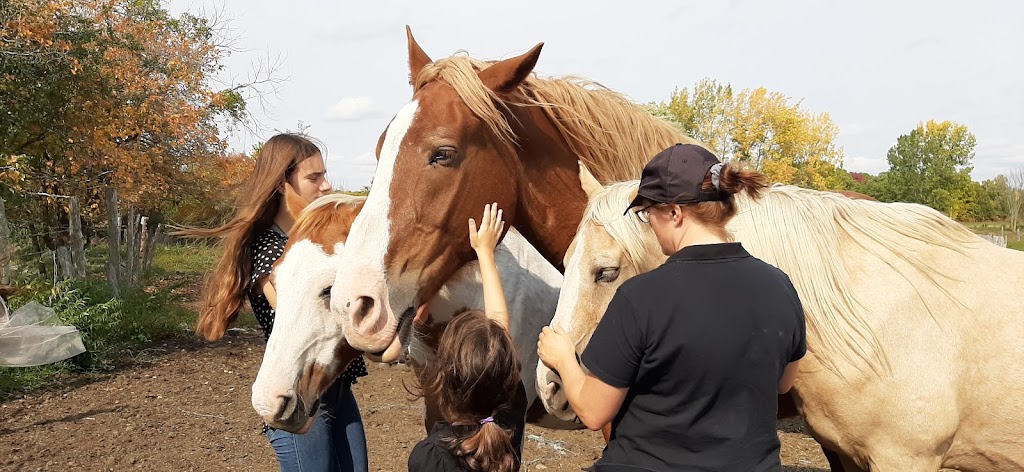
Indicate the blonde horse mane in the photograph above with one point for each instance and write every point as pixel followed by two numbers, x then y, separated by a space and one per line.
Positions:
pixel 633 237
pixel 612 135
pixel 792 227
pixel 320 215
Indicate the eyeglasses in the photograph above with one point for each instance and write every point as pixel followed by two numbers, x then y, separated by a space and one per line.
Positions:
pixel 644 214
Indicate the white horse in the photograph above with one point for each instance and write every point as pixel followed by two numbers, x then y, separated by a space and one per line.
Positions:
pixel 307 348
pixel 915 324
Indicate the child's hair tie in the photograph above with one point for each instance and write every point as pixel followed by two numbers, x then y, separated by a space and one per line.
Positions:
pixel 489 419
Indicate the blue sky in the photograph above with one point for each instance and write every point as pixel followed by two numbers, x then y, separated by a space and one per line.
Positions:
pixel 878 68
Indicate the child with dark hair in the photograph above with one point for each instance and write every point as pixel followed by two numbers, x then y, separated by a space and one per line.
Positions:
pixel 476 378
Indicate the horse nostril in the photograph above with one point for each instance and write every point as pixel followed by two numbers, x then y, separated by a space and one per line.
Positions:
pixel 287 405
pixel 555 388
pixel 364 306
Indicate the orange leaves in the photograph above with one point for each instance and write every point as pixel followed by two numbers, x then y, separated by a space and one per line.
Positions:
pixel 124 97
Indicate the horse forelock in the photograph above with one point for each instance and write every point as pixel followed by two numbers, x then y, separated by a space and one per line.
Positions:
pixel 606 208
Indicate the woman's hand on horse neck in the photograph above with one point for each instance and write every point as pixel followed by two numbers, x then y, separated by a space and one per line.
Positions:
pixel 484 241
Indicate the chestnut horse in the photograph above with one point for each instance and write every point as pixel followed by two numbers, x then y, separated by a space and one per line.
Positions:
pixel 479 132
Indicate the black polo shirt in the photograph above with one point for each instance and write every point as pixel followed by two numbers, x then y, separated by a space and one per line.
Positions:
pixel 701 342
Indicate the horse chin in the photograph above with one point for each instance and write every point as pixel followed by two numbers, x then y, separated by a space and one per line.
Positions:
pixel 299 423
pixel 393 353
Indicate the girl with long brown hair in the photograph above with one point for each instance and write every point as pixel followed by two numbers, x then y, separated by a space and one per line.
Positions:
pixel 476 377
pixel 253 240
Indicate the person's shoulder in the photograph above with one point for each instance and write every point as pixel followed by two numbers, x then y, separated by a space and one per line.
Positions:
pixel 430 455
pixel 270 238
pixel 645 283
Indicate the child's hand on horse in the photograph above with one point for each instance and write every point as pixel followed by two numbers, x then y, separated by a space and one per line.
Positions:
pixel 485 238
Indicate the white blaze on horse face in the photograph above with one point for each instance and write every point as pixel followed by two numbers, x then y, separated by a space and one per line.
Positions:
pixel 581 305
pixel 305 331
pixel 362 275
pixel 549 388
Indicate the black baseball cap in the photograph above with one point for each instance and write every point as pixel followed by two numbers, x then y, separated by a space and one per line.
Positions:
pixel 676 175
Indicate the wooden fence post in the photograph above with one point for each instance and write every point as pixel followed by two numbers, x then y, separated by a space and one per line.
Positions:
pixel 154 234
pixel 77 240
pixel 113 243
pixel 129 243
pixel 65 267
pixel 5 247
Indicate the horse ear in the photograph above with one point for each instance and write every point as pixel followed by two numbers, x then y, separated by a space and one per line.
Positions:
pixel 503 77
pixel 590 184
pixel 293 202
pixel 417 58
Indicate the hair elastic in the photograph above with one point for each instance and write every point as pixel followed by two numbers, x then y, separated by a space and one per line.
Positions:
pixel 716 170
pixel 489 419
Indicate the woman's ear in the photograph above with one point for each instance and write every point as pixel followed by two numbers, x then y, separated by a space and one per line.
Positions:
pixel 677 214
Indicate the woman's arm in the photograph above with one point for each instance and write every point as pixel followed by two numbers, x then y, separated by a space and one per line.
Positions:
pixel 264 286
pixel 595 402
pixel 789 377
pixel 483 241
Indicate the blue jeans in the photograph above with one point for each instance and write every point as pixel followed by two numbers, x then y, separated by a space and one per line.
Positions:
pixel 335 442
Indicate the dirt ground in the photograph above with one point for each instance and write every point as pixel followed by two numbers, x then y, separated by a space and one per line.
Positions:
pixel 184 405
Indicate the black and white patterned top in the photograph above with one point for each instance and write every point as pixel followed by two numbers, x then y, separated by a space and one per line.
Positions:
pixel 267 250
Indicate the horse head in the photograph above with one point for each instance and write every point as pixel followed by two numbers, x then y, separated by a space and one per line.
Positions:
pixel 306 351
pixel 609 249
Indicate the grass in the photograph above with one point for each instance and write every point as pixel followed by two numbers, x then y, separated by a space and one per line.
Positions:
pixel 111 327
pixel 999 228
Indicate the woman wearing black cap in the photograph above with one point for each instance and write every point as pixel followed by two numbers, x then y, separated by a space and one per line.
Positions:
pixel 689 359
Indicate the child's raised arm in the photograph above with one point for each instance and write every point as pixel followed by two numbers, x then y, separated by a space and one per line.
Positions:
pixel 483 241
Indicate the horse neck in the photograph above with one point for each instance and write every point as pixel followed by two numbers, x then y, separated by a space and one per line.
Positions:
pixel 551 196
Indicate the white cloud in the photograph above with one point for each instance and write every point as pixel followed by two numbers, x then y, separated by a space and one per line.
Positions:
pixel 351 109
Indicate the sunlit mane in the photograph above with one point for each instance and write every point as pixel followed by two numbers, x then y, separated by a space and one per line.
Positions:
pixel 612 135
pixel 320 215
pixel 803 232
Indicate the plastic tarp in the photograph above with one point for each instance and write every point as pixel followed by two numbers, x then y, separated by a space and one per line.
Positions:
pixel 30 337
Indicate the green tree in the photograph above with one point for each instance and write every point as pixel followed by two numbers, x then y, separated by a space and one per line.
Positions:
pixel 931 165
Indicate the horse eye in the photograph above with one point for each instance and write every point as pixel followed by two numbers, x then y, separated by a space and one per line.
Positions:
pixel 443 155
pixel 607 274
pixel 326 292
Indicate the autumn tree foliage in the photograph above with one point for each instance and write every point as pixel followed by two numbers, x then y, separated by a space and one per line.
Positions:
pixel 762 128
pixel 108 93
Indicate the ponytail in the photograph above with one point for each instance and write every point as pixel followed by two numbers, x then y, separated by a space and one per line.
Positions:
pixel 730 180
pixel 733 180
pixel 487 449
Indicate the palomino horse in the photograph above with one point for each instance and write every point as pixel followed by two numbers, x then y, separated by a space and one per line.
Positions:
pixel 307 348
pixel 914 323
pixel 476 133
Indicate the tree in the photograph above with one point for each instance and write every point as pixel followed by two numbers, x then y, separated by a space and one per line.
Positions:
pixel 106 93
pixel 1014 196
pixel 763 129
pixel 931 165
